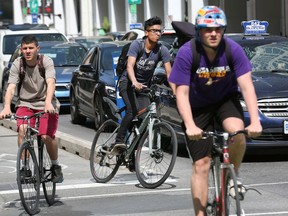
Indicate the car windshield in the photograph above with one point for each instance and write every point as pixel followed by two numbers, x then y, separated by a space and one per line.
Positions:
pixel 268 57
pixel 10 42
pixel 107 65
pixel 64 56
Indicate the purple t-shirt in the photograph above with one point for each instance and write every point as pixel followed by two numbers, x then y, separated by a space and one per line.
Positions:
pixel 214 81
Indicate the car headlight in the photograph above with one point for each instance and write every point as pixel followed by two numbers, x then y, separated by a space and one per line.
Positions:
pixel 243 104
pixel 110 91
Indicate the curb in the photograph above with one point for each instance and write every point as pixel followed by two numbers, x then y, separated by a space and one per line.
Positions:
pixel 66 141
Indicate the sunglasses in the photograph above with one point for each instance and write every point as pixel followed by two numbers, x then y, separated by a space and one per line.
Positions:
pixel 155 31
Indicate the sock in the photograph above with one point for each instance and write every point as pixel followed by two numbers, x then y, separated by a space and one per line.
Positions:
pixel 55 162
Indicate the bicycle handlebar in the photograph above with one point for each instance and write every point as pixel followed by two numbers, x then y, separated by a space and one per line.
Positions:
pixel 14 116
pixel 223 134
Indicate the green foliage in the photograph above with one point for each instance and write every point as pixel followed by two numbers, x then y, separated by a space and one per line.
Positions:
pixel 106 24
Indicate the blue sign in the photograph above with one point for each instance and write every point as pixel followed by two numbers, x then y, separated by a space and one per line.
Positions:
pixel 135 25
pixel 119 100
pixel 34 18
pixel 255 27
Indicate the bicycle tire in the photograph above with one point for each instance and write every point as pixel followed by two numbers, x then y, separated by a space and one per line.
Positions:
pixel 232 206
pixel 104 166
pixel 29 185
pixel 153 169
pixel 49 187
pixel 212 207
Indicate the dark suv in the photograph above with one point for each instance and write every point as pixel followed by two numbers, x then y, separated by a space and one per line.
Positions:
pixel 92 81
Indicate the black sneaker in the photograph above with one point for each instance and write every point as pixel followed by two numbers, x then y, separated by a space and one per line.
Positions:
pixel 57 175
pixel 131 165
pixel 24 174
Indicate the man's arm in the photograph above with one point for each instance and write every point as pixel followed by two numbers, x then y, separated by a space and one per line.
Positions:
pixel 49 95
pixel 167 67
pixel 184 108
pixel 247 89
pixel 8 98
pixel 131 73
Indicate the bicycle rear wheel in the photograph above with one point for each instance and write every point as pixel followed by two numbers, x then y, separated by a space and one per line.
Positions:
pixel 103 165
pixel 28 179
pixel 232 204
pixel 213 187
pixel 153 166
pixel 49 187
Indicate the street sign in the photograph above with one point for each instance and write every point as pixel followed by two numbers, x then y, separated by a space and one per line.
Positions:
pixel 135 25
pixel 134 1
pixel 34 7
pixel 34 18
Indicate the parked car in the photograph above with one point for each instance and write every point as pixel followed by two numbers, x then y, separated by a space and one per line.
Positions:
pixel 89 41
pixel 133 34
pixel 11 36
pixel 66 56
pixel 116 36
pixel 269 57
pixel 92 81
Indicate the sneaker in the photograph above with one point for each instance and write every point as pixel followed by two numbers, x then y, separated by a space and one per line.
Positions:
pixel 25 173
pixel 117 148
pixel 57 175
pixel 241 189
pixel 131 165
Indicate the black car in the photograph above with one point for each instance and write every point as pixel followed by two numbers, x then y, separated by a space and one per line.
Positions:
pixel 269 57
pixel 66 56
pixel 92 81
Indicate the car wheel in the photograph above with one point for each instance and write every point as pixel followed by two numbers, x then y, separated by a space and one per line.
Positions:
pixel 99 113
pixel 76 117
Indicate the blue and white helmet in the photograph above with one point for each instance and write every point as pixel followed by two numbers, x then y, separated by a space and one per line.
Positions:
pixel 210 16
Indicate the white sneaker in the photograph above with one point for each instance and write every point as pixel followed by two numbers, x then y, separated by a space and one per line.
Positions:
pixel 241 189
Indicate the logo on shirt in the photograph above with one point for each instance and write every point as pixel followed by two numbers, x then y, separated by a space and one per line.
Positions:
pixel 213 74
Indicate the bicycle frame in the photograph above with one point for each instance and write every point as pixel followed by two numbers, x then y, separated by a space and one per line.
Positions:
pixel 220 170
pixel 147 122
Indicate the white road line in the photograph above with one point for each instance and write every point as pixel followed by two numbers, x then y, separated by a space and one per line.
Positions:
pixel 90 185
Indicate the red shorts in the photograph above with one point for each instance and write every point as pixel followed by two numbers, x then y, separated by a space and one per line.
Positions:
pixel 48 123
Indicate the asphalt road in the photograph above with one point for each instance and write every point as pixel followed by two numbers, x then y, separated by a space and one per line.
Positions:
pixel 80 195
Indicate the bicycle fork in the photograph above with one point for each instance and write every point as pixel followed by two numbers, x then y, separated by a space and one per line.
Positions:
pixel 152 137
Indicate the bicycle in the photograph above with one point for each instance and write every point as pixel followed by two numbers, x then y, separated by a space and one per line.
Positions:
pixel 220 201
pixel 33 168
pixel 154 142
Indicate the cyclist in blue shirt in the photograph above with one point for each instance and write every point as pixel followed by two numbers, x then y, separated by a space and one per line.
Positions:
pixel 211 93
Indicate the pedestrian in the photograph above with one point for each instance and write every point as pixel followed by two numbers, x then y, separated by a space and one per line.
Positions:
pixel 36 93
pixel 210 95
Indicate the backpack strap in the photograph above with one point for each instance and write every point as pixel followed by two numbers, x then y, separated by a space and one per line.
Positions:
pixel 23 69
pixel 195 46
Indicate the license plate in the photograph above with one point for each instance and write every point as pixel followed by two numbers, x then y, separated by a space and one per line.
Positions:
pixel 285 127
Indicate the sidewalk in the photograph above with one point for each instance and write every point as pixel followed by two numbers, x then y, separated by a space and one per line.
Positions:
pixel 66 141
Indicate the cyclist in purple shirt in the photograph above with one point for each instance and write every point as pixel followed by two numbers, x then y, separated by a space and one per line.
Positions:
pixel 210 94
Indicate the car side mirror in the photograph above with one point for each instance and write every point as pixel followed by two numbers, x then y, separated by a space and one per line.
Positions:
pixel 86 68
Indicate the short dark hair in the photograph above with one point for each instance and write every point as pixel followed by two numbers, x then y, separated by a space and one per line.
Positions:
pixel 27 39
pixel 152 21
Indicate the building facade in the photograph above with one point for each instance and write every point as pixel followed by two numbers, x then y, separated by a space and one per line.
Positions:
pixel 86 17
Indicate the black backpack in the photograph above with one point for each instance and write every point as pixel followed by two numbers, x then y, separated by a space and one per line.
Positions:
pixel 196 54
pixel 122 60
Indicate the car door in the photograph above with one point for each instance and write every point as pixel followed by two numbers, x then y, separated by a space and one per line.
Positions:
pixel 87 78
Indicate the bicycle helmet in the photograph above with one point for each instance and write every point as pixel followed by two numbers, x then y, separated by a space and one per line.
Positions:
pixel 210 16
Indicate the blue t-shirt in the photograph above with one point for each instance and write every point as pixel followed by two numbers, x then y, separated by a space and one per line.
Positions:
pixel 147 63
pixel 214 81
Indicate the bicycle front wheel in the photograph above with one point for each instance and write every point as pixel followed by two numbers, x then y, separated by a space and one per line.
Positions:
pixel 155 162
pixel 103 165
pixel 213 187
pixel 49 187
pixel 28 179
pixel 231 204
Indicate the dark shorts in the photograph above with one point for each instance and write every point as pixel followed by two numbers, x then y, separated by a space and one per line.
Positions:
pixel 211 118
pixel 47 125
